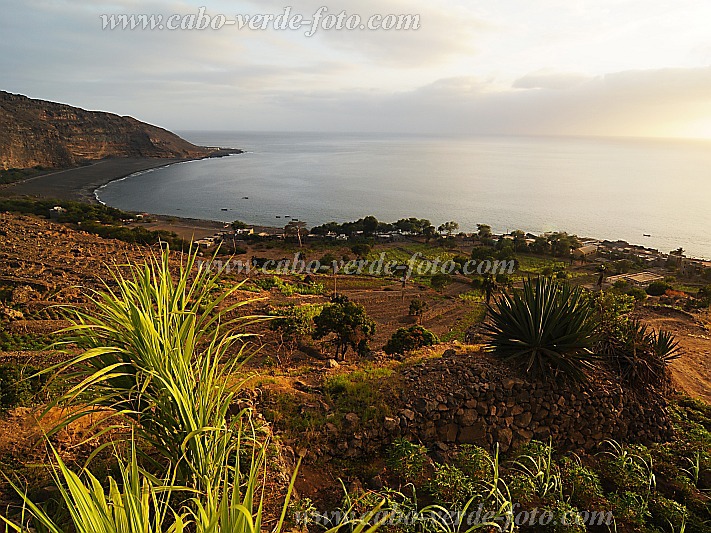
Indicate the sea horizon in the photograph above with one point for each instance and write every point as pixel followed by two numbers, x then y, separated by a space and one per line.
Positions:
pixel 614 188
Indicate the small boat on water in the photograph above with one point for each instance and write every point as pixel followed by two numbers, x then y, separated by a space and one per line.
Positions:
pixel 646 235
pixel 278 216
pixel 287 216
pixel 245 198
pixel 224 209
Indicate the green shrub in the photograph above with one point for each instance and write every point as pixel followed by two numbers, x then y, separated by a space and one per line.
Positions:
pixel 19 385
pixel 665 512
pixel 628 467
pixel 637 293
pixel 474 461
pixel 566 518
pixel 450 486
pixel 440 281
pixel 541 469
pixel 581 485
pixel 407 339
pixel 658 288
pixel 547 328
pixel 407 460
pixel 11 341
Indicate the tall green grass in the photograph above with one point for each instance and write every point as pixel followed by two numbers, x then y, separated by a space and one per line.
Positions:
pixel 160 354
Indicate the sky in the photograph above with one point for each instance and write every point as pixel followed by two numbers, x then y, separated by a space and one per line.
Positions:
pixel 514 67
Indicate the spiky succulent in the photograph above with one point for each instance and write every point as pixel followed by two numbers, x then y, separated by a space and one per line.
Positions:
pixel 547 327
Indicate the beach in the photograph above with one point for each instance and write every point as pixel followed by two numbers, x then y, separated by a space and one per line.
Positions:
pixel 80 183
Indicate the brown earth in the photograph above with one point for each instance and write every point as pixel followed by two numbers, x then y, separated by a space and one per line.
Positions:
pixel 43 264
pixel 692 371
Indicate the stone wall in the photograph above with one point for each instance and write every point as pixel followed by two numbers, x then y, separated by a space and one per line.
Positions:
pixel 473 398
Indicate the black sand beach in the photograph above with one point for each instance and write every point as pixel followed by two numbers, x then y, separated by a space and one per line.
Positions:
pixel 80 183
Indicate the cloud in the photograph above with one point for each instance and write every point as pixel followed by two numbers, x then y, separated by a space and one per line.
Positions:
pixel 634 103
pixel 546 79
pixel 497 67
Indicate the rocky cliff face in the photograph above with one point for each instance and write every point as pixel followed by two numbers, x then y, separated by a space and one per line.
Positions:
pixel 39 133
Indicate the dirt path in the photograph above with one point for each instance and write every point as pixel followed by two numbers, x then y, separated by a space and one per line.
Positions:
pixel 692 372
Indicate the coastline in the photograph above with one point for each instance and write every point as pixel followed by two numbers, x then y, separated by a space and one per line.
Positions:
pixel 81 183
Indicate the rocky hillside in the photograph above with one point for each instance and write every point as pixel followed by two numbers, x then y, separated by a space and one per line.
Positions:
pixel 40 133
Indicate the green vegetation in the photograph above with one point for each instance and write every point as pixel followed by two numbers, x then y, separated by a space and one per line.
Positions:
pixel 157 354
pixel 15 342
pixel 98 219
pixel 13 175
pixel 658 288
pixel 294 322
pixel 20 385
pixel 154 355
pixel 407 339
pixel 547 327
pixel 348 322
pixel 286 288
pixel 360 392
pixel 626 487
pixel 440 281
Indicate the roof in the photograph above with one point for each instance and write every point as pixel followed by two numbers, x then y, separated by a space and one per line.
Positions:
pixel 641 278
pixel 585 250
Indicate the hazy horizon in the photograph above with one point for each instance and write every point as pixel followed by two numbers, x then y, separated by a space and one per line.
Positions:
pixel 605 68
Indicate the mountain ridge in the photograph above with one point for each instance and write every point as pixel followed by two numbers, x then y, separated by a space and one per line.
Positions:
pixel 39 133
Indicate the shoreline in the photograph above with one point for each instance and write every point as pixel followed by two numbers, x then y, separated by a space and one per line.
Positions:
pixel 81 183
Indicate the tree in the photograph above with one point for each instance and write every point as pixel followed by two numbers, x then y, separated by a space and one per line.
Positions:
pixel 417 308
pixel 408 339
pixel 540 245
pixel 370 225
pixel 429 232
pixel 238 224
pixel 295 228
pixel 448 227
pixel 563 244
pixel 350 324
pixel 483 231
pixel 489 286
pixel 294 322
pixel 361 250
pixel 658 288
pixel 440 281
pixel 519 240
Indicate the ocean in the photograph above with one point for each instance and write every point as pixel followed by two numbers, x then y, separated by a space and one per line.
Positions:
pixel 594 187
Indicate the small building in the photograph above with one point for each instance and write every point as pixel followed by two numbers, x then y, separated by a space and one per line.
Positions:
pixel 56 212
pixel 585 252
pixel 640 279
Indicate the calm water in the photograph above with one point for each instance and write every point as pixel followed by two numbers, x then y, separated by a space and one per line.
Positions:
pixel 604 188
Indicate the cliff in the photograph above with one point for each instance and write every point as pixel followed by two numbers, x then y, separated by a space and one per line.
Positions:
pixel 40 133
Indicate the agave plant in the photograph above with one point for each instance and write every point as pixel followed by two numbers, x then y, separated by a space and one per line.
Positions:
pixel 156 355
pixel 546 327
pixel 638 353
pixel 665 346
